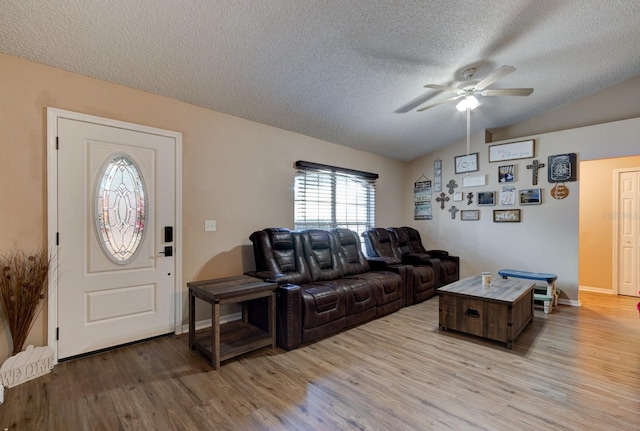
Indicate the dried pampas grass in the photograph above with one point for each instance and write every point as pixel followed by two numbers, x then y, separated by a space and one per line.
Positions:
pixel 23 286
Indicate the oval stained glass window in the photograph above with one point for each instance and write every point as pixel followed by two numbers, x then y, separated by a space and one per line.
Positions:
pixel 121 202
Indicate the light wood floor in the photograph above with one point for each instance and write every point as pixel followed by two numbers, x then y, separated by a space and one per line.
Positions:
pixel 575 369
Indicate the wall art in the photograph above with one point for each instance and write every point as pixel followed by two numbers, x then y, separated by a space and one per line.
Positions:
pixel 507 173
pixel 443 198
pixel 474 180
pixel 437 175
pixel 530 196
pixel 562 167
pixel 559 191
pixel 486 198
pixel 512 151
pixel 470 215
pixel 506 216
pixel 534 166
pixel 466 163
pixel 508 196
pixel 422 199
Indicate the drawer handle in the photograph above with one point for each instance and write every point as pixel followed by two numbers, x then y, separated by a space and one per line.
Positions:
pixel 472 313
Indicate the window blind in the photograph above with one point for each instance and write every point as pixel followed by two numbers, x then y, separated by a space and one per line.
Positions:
pixel 328 197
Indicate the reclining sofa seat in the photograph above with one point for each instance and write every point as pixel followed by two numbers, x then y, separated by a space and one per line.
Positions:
pixel 314 299
pixel 423 277
pixel 389 288
pixel 449 266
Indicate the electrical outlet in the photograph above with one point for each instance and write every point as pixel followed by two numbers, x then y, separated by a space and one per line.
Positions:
pixel 209 225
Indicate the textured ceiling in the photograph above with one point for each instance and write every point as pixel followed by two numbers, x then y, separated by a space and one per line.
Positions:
pixel 345 71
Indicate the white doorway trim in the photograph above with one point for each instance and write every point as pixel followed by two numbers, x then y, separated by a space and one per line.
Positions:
pixel 616 221
pixel 53 114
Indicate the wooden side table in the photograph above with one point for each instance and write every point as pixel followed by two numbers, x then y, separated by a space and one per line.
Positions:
pixel 233 338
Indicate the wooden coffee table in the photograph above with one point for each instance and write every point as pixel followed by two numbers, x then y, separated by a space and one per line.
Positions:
pixel 499 312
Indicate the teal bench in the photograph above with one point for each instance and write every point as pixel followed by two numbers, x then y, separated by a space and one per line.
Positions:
pixel 548 295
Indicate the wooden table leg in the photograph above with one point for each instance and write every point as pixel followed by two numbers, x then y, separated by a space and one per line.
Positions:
pixel 272 318
pixel 215 335
pixel 192 320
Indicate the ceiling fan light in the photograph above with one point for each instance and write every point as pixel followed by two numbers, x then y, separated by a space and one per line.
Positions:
pixel 468 102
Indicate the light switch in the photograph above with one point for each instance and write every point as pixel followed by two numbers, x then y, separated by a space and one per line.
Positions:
pixel 209 225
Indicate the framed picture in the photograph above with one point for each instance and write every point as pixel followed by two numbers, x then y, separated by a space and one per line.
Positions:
pixel 506 216
pixel 467 163
pixel 475 180
pixel 530 196
pixel 562 167
pixel 512 151
pixel 508 197
pixel 470 215
pixel 437 175
pixel 486 198
pixel 507 173
pixel 457 196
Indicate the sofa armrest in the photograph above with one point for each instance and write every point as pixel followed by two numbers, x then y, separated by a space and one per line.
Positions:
pixel 382 263
pixel 270 276
pixel 289 316
pixel 436 253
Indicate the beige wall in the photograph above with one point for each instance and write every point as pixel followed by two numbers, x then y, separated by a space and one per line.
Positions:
pixel 597 219
pixel 235 171
pixel 615 103
pixel 547 238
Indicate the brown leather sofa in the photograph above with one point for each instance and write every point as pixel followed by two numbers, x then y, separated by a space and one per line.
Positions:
pixel 449 265
pixel 325 283
pixel 424 274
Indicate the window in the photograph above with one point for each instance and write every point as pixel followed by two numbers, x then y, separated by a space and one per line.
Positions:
pixel 328 197
pixel 120 212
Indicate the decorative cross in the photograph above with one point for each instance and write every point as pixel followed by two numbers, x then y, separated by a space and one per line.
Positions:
pixel 453 210
pixel 452 186
pixel 469 198
pixel 535 166
pixel 442 199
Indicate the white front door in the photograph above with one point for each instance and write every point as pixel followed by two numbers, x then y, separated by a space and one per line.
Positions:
pixel 116 225
pixel 628 214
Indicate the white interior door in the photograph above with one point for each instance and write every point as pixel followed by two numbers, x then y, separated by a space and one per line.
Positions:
pixel 628 213
pixel 116 194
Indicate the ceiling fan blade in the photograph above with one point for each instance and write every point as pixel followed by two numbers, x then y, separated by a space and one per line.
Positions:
pixel 442 87
pixel 508 92
pixel 451 99
pixel 498 74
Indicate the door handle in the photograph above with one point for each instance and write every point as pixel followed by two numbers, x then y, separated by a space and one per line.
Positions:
pixel 168 251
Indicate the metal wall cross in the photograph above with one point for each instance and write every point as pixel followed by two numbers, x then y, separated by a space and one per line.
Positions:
pixel 469 198
pixel 535 166
pixel 442 199
pixel 453 210
pixel 452 186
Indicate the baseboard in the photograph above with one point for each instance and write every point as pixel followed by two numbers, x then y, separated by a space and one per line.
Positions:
pixel 572 302
pixel 202 324
pixel 595 289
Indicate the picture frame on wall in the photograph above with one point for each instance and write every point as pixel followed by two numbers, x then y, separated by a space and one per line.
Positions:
pixel 469 215
pixel 530 196
pixel 506 216
pixel 507 173
pixel 466 163
pixel 486 198
pixel 561 168
pixel 512 151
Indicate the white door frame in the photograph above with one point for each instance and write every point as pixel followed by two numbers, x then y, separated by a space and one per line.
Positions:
pixel 53 114
pixel 616 230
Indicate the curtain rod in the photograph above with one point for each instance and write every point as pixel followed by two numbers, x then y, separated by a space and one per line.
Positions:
pixel 320 166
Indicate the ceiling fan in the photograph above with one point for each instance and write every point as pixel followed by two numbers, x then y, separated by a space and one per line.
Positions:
pixel 471 88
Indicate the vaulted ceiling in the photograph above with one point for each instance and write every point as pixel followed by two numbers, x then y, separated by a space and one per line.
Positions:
pixel 346 71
